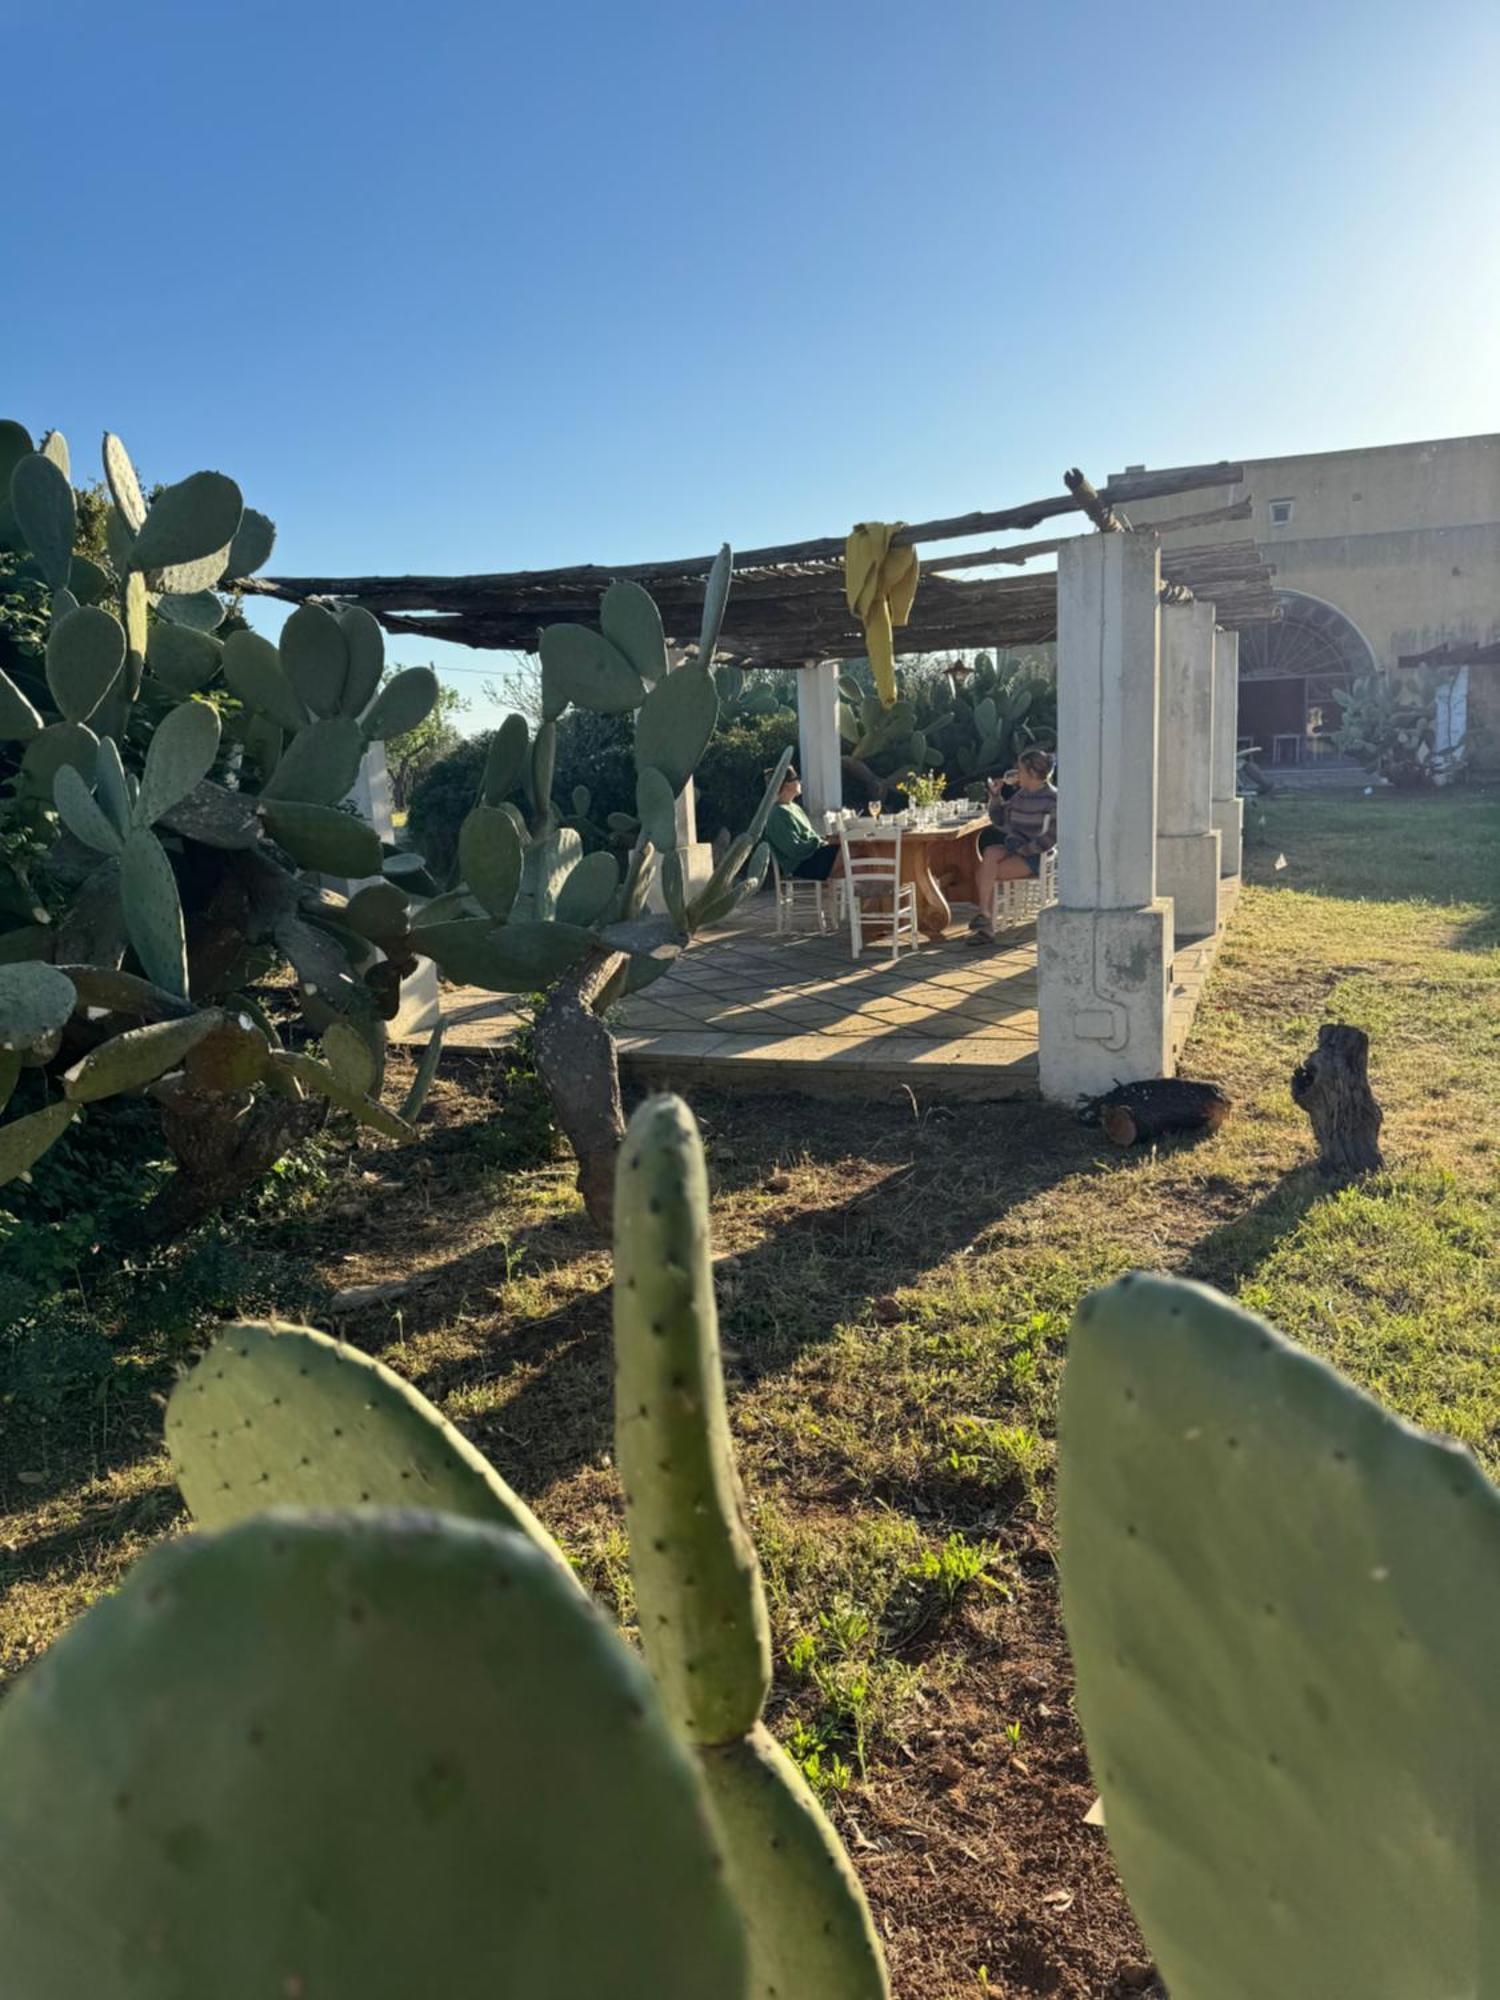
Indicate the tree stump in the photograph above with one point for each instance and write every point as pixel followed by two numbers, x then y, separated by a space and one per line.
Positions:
pixel 1333 1087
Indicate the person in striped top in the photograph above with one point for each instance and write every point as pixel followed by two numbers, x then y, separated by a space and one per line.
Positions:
pixel 1023 812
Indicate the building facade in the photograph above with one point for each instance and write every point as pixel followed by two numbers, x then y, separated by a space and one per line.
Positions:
pixel 1379 554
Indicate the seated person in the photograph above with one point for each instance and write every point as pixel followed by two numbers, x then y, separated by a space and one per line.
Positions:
pixel 1023 809
pixel 798 849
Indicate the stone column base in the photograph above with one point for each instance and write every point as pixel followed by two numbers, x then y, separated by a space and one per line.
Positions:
pixel 1229 824
pixel 419 1011
pixel 1104 998
pixel 1187 870
pixel 698 865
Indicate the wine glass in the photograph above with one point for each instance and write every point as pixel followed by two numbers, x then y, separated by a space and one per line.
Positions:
pixel 874 808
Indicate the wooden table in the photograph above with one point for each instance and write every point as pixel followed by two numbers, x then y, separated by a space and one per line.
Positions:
pixel 940 862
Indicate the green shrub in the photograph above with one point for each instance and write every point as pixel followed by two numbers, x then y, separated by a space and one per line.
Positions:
pixel 732 775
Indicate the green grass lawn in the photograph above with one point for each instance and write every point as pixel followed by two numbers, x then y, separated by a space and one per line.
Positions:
pixel 895 1292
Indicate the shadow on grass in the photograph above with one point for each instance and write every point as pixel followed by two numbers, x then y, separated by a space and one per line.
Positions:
pixel 940 1181
pixel 1235 1251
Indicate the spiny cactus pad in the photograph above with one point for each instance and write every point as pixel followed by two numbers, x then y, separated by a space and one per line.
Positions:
pixel 352 1758
pixel 697 1581
pixel 676 720
pixel 1284 1610
pixel 153 911
pixel 806 1919
pixel 276 1415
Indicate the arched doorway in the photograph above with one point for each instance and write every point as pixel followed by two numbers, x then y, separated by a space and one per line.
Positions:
pixel 1294 673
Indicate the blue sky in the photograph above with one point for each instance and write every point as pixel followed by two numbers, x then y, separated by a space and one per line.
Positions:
pixel 476 287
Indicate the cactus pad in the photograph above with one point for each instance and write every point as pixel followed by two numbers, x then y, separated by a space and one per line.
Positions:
pixel 138 1056
pixel 582 666
pixel 282 1415
pixel 182 751
pixel 124 485
pixel 81 813
pixel 630 620
pixel 320 764
pixel 490 858
pixel 589 890
pixel 702 1612
pixel 519 957
pixel 45 510
pixel 24 1140
pixel 182 658
pixel 403 703
pixel 35 1001
pixel 806 1920
pixel 58 744
pixel 256 676
pixel 655 806
pixel 254 539
pixel 352 1759
pixel 323 838
pixel 506 762
pixel 675 723
pixel 366 648
pixel 153 911
pixel 315 654
pixel 187 523
pixel 85 651
pixel 1284 1610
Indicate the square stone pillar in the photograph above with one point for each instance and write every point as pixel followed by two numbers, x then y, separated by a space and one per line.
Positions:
pixel 1228 806
pixel 419 1011
pixel 1104 949
pixel 697 855
pixel 820 752
pixel 1187 847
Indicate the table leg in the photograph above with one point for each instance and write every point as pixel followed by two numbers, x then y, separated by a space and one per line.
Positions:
pixel 955 864
pixel 933 913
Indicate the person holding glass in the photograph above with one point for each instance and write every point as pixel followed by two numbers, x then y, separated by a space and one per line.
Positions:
pixel 1023 827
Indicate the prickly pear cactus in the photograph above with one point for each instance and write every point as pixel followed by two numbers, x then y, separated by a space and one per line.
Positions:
pixel 702 1610
pixel 356 1757
pixel 1284 1610
pixel 178 796
pixel 698 1589
pixel 279 1415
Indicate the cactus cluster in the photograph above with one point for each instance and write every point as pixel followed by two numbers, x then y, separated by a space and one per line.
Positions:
pixel 528 903
pixel 365 1722
pixel 969 725
pixel 174 798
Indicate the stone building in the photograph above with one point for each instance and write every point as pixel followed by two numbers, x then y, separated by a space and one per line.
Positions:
pixel 1379 554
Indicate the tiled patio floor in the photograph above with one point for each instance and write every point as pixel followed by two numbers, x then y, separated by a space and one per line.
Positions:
pixel 748 1009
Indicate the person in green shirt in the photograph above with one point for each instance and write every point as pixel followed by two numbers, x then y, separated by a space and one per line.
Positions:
pixel 789 833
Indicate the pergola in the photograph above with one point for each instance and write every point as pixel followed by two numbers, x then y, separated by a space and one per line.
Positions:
pixel 1148 693
pixel 787 607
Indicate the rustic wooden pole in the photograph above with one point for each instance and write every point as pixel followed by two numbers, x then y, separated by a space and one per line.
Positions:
pixel 1333 1088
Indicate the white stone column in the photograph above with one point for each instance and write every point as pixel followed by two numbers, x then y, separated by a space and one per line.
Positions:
pixel 1228 806
pixel 697 855
pixel 820 751
pixel 1187 847
pixel 419 1011
pixel 1104 949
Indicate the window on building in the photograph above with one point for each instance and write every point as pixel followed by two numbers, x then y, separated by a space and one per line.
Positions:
pixel 1281 513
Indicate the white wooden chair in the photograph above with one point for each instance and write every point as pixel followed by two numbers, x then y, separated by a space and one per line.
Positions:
pixel 1018 902
pixel 796 898
pixel 872 875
